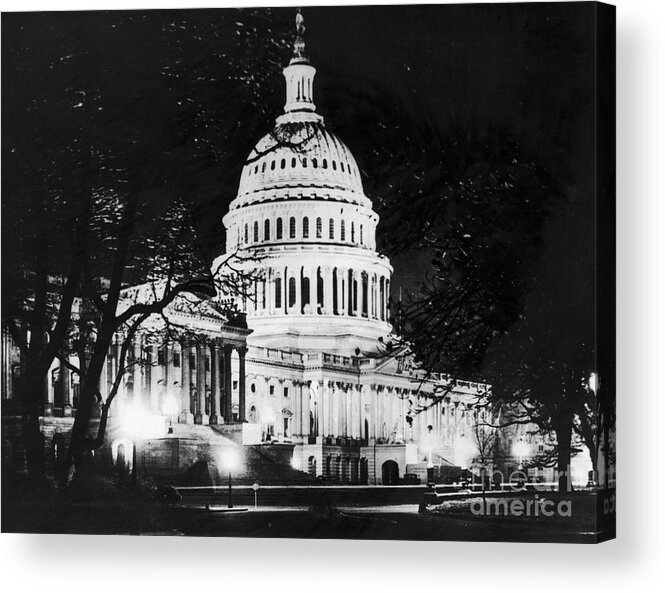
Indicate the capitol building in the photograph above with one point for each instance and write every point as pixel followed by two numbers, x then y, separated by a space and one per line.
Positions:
pixel 320 372
pixel 310 374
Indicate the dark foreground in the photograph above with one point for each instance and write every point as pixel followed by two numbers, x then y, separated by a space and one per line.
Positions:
pixel 374 523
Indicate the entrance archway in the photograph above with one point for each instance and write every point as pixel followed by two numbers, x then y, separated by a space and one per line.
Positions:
pixel 253 415
pixel 364 470
pixel 389 473
pixel 354 470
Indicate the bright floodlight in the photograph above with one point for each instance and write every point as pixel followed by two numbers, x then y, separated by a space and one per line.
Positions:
pixel 269 414
pixel 294 463
pixel 230 458
pixel 520 449
pixel 170 406
pixel 593 382
pixel 134 419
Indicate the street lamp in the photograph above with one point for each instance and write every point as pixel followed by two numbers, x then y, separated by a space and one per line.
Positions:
pixel 134 421
pixel 521 450
pixel 429 446
pixel 230 459
pixel 593 382
pixel 170 409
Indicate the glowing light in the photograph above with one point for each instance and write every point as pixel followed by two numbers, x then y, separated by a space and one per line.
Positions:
pixel 294 463
pixel 593 382
pixel 229 458
pixel 170 407
pixel 269 415
pixel 138 423
pixel 521 449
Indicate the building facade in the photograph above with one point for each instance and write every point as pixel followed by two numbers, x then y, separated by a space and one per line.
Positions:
pixel 320 371
pixel 310 366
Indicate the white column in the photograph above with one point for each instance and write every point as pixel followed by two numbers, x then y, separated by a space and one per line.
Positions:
pixel 270 291
pixel 361 293
pixel 298 305
pixel 155 375
pixel 374 299
pixel 334 398
pixel 387 300
pixel 303 395
pixel 350 407
pixel 137 371
pixel 312 289
pixel 327 290
pixel 296 419
pixel 320 419
pixel 359 422
pixel 374 412
pixel 341 409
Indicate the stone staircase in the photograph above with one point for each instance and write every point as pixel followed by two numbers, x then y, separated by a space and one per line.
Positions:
pixel 270 464
pixel 265 463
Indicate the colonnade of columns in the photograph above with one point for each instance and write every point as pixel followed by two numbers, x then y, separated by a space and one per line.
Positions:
pixel 197 374
pixel 321 290
pixel 337 409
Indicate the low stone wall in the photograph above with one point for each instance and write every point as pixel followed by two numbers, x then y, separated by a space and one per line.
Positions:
pixel 56 431
pixel 306 496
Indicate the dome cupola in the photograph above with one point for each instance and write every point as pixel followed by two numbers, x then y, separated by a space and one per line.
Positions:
pixel 306 231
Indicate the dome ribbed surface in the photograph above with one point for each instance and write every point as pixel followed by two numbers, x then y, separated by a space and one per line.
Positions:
pixel 300 160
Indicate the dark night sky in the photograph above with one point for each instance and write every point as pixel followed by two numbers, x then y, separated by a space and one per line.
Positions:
pixel 525 68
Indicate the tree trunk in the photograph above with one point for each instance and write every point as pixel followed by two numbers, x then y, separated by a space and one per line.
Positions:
pixel 564 433
pixel 33 438
pixel 32 393
pixel 81 442
pixel 607 450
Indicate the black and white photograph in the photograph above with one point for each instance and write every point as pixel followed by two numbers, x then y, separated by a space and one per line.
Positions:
pixel 340 272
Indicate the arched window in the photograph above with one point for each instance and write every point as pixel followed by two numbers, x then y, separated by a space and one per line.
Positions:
pixel 325 163
pixel 272 165
pixel 342 165
pixel 263 167
pixel 304 162
pixel 304 292
pixel 319 290
pixel 278 293
pixel 266 230
pixel 256 232
pixel 282 164
pixel 331 228
pixel 319 228
pixel 334 165
pixel 256 169
pixel 305 228
pixel 353 232
pixel 315 163
pixel 253 415
pixel 246 233
pixel 361 234
pixel 293 163
pixel 343 231
pixel 292 228
pixel 279 228
pixel 292 291
pixel 382 299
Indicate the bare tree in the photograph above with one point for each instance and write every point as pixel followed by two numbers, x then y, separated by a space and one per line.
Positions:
pixel 111 170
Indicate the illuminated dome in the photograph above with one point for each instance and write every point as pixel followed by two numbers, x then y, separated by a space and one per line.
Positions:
pixel 304 233
pixel 302 157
